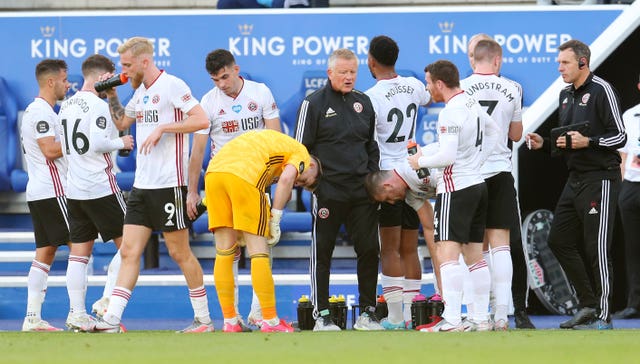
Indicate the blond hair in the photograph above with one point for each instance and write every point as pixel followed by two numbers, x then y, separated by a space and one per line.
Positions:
pixel 137 46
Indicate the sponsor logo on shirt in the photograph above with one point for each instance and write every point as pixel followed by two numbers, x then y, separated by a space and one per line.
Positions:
pixel 236 108
pixel 186 98
pixel 449 129
pixel 221 112
pixel 329 113
pixel 231 126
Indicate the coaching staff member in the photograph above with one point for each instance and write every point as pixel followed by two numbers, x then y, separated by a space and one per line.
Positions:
pixel 337 124
pixel 585 213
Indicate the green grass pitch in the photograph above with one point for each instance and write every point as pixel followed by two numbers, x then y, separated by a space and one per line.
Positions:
pixel 535 346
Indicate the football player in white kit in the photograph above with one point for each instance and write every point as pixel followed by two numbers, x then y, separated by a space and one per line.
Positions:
pixel 234 106
pixel 96 203
pixel 158 198
pixel 502 99
pixel 47 170
pixel 466 136
pixel 396 100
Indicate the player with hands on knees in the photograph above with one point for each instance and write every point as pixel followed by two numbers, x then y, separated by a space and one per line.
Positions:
pixel 239 209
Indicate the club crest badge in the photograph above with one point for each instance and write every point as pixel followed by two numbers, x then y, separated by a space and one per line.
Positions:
pixel 323 213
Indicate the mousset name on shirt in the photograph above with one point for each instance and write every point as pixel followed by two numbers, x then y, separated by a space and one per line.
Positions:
pixel 399 89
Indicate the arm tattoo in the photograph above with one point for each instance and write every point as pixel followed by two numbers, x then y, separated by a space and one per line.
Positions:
pixel 117 110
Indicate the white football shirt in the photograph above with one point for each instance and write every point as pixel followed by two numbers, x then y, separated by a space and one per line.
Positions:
pixel 420 189
pixel 396 103
pixel 631 120
pixel 165 101
pixel 501 98
pixel 231 117
pixel 461 124
pixel 47 179
pixel 89 136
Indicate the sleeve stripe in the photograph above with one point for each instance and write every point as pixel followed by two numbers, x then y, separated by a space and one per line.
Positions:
pixel 302 117
pixel 611 97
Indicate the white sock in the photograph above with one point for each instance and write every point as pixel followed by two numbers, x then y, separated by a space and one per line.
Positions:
pixel 77 283
pixel 481 280
pixel 117 303
pixel 392 291
pixel 200 304
pixel 36 288
pixel 112 274
pixel 486 255
pixel 501 274
pixel 411 288
pixel 452 273
pixel 467 289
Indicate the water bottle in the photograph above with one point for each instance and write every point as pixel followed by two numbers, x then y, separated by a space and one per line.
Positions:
pixel 435 307
pixel 305 313
pixel 124 152
pixel 412 148
pixel 382 310
pixel 201 208
pixel 419 311
pixel 341 312
pixel 114 81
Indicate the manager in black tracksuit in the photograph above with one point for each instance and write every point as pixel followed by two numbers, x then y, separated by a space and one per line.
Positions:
pixel 585 214
pixel 337 124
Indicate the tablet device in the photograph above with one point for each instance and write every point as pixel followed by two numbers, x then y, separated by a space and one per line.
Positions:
pixel 582 127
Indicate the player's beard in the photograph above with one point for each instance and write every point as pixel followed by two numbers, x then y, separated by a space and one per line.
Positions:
pixel 136 80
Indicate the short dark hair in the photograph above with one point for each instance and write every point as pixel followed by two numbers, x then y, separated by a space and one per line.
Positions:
pixel 48 66
pixel 219 59
pixel 384 50
pixel 374 181
pixel 97 63
pixel 444 71
pixel 580 49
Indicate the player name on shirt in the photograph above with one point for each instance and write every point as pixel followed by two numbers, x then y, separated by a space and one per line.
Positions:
pixel 480 86
pixel 399 89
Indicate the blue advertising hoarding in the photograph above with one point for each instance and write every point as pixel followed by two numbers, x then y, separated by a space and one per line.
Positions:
pixel 278 47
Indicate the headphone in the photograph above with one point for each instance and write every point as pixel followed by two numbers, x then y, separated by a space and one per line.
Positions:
pixel 581 63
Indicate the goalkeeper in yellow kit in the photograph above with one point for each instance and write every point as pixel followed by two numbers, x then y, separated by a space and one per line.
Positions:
pixel 239 211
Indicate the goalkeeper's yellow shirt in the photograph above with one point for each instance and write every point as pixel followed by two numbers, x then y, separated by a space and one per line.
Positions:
pixel 259 157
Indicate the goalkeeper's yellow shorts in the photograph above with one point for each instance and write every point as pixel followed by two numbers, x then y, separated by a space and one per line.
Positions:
pixel 235 203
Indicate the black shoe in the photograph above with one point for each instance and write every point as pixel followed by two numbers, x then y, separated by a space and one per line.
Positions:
pixel 522 320
pixel 584 316
pixel 627 313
